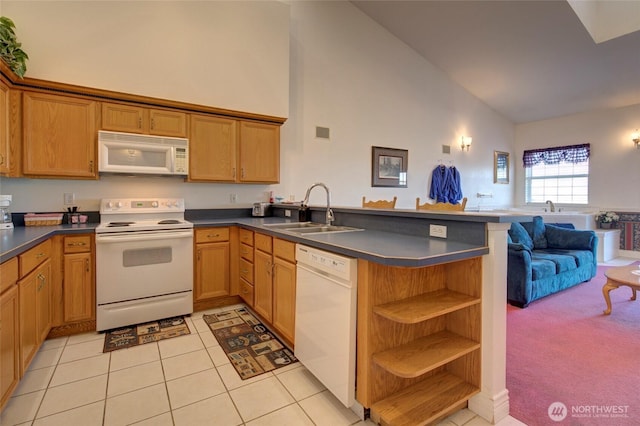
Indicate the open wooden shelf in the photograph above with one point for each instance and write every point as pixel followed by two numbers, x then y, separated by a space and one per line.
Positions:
pixel 424 402
pixel 425 306
pixel 425 354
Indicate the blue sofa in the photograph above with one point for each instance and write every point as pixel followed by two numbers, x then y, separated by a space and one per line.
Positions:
pixel 544 259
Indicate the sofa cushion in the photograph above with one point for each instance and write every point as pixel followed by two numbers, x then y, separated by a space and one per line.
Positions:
pixel 569 238
pixel 582 257
pixel 536 230
pixel 563 262
pixel 520 235
pixel 542 268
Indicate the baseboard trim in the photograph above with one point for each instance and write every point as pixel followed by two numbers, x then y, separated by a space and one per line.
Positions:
pixel 492 409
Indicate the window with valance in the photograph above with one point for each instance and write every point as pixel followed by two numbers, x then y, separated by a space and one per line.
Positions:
pixel 559 174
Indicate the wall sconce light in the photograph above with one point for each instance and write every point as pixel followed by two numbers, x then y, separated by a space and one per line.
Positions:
pixel 635 137
pixel 465 142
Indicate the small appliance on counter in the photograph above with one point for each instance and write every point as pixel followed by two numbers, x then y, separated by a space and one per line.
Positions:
pixel 260 209
pixel 5 215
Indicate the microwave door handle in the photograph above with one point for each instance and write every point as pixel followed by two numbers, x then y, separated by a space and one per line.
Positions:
pixel 172 166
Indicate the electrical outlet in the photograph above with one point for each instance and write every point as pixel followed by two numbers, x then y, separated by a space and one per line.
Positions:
pixel 439 231
pixel 69 198
pixel 287 213
pixel 233 198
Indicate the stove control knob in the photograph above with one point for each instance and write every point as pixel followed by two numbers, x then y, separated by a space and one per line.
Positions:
pixel 119 204
pixel 175 204
pixel 154 204
pixel 109 204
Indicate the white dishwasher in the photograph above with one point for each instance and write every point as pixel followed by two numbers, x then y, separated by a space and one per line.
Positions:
pixel 325 339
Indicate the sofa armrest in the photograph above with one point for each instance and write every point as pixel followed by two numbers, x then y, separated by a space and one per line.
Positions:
pixel 519 275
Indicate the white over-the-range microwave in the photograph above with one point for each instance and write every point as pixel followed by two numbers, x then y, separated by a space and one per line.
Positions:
pixel 130 153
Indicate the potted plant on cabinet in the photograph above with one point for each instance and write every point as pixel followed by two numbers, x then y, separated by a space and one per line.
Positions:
pixel 10 49
pixel 606 220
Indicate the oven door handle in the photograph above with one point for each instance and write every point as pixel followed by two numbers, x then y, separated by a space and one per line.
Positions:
pixel 143 237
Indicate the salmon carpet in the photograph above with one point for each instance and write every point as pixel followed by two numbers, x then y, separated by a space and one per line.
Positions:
pixel 569 364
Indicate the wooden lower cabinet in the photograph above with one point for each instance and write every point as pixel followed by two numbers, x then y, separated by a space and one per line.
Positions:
pixel 78 285
pixel 9 330
pixel 418 340
pixel 263 285
pixel 212 252
pixel 284 288
pixel 35 311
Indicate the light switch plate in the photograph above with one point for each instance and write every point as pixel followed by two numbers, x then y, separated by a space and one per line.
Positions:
pixel 69 198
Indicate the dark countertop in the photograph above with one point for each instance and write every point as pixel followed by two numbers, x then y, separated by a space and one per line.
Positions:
pixel 387 248
pixel 22 238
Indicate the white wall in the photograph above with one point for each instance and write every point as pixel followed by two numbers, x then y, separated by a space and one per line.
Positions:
pixel 370 89
pixel 346 73
pixel 229 54
pixel 614 165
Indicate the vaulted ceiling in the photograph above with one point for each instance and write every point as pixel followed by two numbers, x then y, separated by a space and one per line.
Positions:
pixel 528 60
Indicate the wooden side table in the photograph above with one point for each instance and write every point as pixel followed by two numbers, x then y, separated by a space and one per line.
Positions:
pixel 621 276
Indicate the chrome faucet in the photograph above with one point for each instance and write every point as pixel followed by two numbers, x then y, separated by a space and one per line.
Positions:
pixel 551 206
pixel 330 217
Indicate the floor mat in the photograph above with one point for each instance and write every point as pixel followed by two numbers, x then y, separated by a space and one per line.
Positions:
pixel 250 346
pixel 147 332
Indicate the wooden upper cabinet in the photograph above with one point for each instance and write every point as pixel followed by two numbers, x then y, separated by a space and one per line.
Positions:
pixel 212 149
pixel 5 153
pixel 135 119
pixel 259 152
pixel 59 136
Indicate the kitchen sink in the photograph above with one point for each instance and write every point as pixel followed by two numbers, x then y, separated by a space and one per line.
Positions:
pixel 321 229
pixel 293 225
pixel 308 228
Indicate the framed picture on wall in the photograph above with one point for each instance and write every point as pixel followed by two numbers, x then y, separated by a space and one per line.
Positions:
pixel 389 167
pixel 500 167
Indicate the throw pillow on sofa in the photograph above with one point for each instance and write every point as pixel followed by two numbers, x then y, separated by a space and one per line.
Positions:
pixel 537 232
pixel 520 235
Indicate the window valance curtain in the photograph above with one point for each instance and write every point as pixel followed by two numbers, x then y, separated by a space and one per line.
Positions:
pixel 568 154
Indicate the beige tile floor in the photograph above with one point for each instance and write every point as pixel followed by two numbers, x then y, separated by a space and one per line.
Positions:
pixel 186 380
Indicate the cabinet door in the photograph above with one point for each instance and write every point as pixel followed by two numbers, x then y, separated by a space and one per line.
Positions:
pixel 78 287
pixel 167 123
pixel 212 146
pixel 28 325
pixel 9 343
pixel 263 285
pixel 4 129
pixel 43 300
pixel 124 118
pixel 59 136
pixel 284 298
pixel 259 152
pixel 212 270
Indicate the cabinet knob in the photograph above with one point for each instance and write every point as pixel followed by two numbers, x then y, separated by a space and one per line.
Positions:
pixel 140 123
pixel 153 123
pixel 1 159
pixel 213 235
pixel 91 166
pixel 86 264
pixel 77 244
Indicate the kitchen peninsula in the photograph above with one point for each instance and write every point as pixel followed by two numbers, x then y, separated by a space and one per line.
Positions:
pixel 467 270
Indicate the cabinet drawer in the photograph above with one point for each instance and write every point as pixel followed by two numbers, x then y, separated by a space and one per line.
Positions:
pixel 246 292
pixel 8 274
pixel 284 250
pixel 211 235
pixel 34 256
pixel 77 244
pixel 263 242
pixel 246 252
pixel 246 236
pixel 246 270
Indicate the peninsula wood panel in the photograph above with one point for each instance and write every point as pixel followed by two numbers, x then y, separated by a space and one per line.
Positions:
pixel 430 316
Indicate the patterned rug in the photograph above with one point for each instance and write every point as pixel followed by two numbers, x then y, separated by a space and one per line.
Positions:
pixel 140 334
pixel 250 346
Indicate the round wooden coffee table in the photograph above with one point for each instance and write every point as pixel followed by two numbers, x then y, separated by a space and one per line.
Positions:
pixel 620 276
